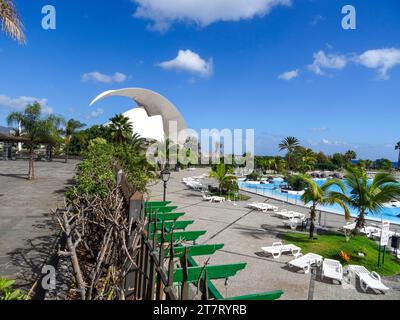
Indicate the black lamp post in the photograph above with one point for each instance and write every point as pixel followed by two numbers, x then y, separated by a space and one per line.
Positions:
pixel 165 175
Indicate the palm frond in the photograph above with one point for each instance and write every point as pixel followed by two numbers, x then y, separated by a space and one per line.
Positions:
pixel 10 21
pixel 334 182
pixel 381 179
pixel 387 193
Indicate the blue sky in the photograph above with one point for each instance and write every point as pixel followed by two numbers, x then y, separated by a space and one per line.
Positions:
pixel 282 67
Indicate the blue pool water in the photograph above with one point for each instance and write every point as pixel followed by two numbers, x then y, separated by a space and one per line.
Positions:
pixel 273 190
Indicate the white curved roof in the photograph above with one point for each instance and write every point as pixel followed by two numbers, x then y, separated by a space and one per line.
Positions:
pixel 155 105
pixel 145 126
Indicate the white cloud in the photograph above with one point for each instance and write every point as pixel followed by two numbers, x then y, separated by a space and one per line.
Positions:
pixel 21 102
pixel 336 143
pixel 98 77
pixel 95 113
pixel 320 129
pixel 163 13
pixel 327 61
pixel 189 61
pixel 383 60
pixel 326 141
pixel 289 75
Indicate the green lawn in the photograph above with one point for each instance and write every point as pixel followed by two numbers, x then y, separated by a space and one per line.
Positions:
pixel 241 197
pixel 330 245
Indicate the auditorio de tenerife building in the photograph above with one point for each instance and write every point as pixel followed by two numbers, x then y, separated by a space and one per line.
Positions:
pixel 156 118
pixel 155 115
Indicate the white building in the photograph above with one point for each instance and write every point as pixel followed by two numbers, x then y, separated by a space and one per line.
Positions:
pixel 154 115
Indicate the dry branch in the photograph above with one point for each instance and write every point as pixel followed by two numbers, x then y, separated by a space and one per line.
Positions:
pixel 102 243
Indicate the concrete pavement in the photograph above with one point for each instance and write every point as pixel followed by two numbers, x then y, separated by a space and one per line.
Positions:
pixel 244 232
pixel 27 231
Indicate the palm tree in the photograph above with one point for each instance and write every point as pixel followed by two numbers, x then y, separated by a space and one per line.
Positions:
pixel 35 130
pixel 224 176
pixel 289 144
pixel 369 197
pixel 70 129
pixel 10 21
pixel 121 129
pixel 309 160
pixel 397 147
pixel 350 155
pixel 322 195
pixel 137 142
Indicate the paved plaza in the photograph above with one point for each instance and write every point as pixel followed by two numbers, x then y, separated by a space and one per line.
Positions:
pixel 28 233
pixel 244 232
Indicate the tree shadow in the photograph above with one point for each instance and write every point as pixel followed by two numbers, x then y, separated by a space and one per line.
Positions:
pixel 16 176
pixel 252 232
pixel 67 185
pixel 30 258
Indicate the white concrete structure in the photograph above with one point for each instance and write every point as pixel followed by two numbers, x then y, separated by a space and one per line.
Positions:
pixel 152 118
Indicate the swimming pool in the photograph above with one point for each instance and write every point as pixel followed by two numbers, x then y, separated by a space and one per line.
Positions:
pixel 273 190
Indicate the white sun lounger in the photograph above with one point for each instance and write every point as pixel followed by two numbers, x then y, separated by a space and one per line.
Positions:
pixel 305 262
pixel 368 231
pixel 293 223
pixel 368 279
pixel 218 199
pixel 212 198
pixel 278 248
pixel 332 269
pixel 349 227
pixel 262 207
pixel 206 197
pixel 289 215
pixel 195 185
pixel 377 235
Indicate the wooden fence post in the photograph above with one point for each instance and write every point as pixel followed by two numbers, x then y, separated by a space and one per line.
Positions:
pixel 185 283
pixel 171 264
pixel 136 214
pixel 136 207
pixel 204 287
pixel 160 285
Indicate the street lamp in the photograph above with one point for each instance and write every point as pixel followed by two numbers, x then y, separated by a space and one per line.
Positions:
pixel 165 175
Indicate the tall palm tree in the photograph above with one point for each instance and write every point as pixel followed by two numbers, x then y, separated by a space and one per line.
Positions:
pixel 397 147
pixel 70 129
pixel 224 176
pixel 121 129
pixel 10 21
pixel 35 130
pixel 289 144
pixel 322 195
pixel 369 197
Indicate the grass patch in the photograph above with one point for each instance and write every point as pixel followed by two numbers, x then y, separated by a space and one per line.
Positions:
pixel 330 245
pixel 241 197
